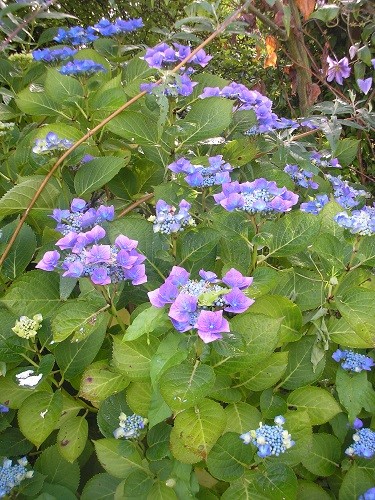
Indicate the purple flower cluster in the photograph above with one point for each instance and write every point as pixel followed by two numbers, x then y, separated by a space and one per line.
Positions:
pixel 200 303
pixel 301 177
pixel 130 426
pixel 168 220
pixel 216 173
pixel 359 222
pixel 344 194
pixel 324 160
pixel 3 409
pixel 315 205
pixel 337 70
pixel 51 143
pixel 83 256
pixel 52 55
pixel 163 56
pixel 353 361
pixel 81 66
pixel 76 35
pixel 368 495
pixel 172 85
pixel 364 444
pixel 260 196
pixel 106 28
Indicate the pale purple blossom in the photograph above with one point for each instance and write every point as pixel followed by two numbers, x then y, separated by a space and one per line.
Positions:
pixel 338 70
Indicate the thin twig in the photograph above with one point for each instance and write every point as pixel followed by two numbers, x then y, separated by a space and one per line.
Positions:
pixel 91 132
pixel 136 204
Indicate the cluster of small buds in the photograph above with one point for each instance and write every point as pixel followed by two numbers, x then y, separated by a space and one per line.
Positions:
pixel 269 439
pixel 106 28
pixel 172 85
pixel 4 408
pixel 27 328
pixel 216 173
pixel 164 57
pixel 11 475
pixel 315 205
pixel 76 35
pixel 364 443
pixel 83 257
pixel 6 127
pixel 324 160
pixel 167 220
pixel 50 143
pixel 260 196
pixel 80 67
pixel 301 177
pixel 21 57
pixel 353 361
pixel 130 426
pixel 53 55
pixel 368 495
pixel 200 303
pixel 344 194
pixel 360 222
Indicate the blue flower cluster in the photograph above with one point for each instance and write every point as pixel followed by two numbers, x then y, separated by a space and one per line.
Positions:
pixel 345 194
pixel 106 28
pixel 353 361
pixel 171 85
pixel 200 303
pixel 301 177
pixel 104 264
pixel 53 55
pixel 81 66
pixel 130 426
pixel 12 475
pixel 363 445
pixel 163 56
pixel 260 196
pixel 76 35
pixel 269 439
pixel 168 220
pixel 3 409
pixel 324 160
pixel 368 495
pixel 50 143
pixel 315 205
pixel 216 173
pixel 359 222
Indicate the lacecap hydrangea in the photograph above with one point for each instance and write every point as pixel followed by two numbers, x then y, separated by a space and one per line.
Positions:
pixel 200 303
pixel 368 495
pixel 130 426
pixel 53 55
pixel 168 220
pixel 360 222
pixel 353 361
pixel 315 205
pixel 51 142
pixel 363 444
pixel 301 176
pixel 11 475
pixel 201 176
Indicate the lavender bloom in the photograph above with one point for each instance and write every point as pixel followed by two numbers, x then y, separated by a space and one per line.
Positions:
pixel 363 445
pixel 323 160
pixel 269 439
pixel 106 28
pixel 200 303
pixel 76 35
pixel 53 55
pixel 172 85
pixel 357 424
pixel 201 176
pixel 49 261
pixel 260 196
pixel 81 66
pixel 365 85
pixel 163 56
pixel 315 206
pixel 344 194
pixel 168 220
pixel 301 177
pixel 368 495
pixel 3 409
pixel 74 269
pixel 352 361
pixel 50 143
pixel 359 222
pixel 130 426
pixel 338 70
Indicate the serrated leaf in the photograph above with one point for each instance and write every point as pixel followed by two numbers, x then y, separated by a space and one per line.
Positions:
pixel 72 437
pixel 356 482
pixel 99 381
pixel 101 487
pixel 272 405
pixel 43 410
pixel 158 441
pixel 14 444
pixel 146 322
pixel 318 403
pixel 135 127
pixel 311 491
pixel 96 173
pixel 342 333
pixel 356 306
pixel 366 251
pixel 133 358
pixel 138 397
pixel 118 457
pixel 137 484
pixel 276 480
pixel 196 249
pixel 169 353
pixel 13 394
pixel 185 385
pixel 62 88
pixel 21 252
pixel 352 389
pixel 38 104
pixel 109 411
pixel 57 469
pixel 323 458
pixel 265 374
pixel 346 151
pixel 160 491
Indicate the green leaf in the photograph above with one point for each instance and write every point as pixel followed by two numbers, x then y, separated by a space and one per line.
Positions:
pixel 72 437
pixel 277 481
pixel 241 417
pixel 18 198
pixel 272 405
pixel 289 235
pixel 336 253
pixel 366 251
pixel 38 104
pixel 136 127
pixel 15 395
pixel 61 88
pixel 300 370
pixel 57 469
pixel 21 252
pixel 199 428
pixel 136 485
pixel 299 427
pixel 146 322
pixel 101 487
pixel 133 358
pixel 229 457
pixel 342 333
pixel 138 396
pixel 169 353
pixel 223 390
pixel 158 441
pixel 207 118
pixel 99 381
pixel 356 482
pixel 14 444
pixel 196 249
pixel 79 317
pixel 326 13
pixel 185 385
pixel 96 173
pixel 356 306
pixel 42 409
pixel 311 491
pixel 323 458
pixel 318 403
pixel 352 389
pixel 118 457
pixel 160 491
pixel 346 150
pixel 109 412
pixel 265 374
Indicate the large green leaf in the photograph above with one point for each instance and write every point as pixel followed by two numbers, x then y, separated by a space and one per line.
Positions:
pixel 356 482
pixel 21 252
pixel 366 251
pixel 38 104
pixel 146 322
pixel 196 249
pixel 277 481
pixel 356 305
pixel 353 390
pixel 118 457
pixel 42 409
pixel 133 358
pixel 342 333
pixel 100 381
pixel 109 411
pixel 97 172
pixel 169 353
pixel 241 417
pixel 61 88
pixel 72 437
pixel 14 394
pixel 318 403
pixel 135 127
pixel 101 487
pixel 265 374
pixel 58 470
pixel 158 441
pixel 323 458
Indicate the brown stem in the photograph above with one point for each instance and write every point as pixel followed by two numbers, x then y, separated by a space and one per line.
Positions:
pixel 136 204
pixel 91 132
